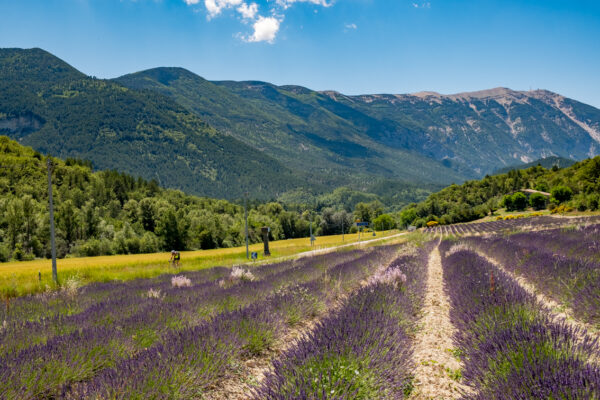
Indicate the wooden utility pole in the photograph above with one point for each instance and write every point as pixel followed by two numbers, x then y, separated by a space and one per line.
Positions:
pixel 52 238
pixel 246 219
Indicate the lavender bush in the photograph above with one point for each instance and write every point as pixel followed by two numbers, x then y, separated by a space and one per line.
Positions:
pixel 511 350
pixel 574 281
pixel 165 337
pixel 360 352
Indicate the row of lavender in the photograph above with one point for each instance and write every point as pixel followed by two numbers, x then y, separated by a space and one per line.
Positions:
pixel 363 351
pixel 132 306
pixel 575 241
pixel 561 263
pixel 164 338
pixel 511 349
pixel 518 224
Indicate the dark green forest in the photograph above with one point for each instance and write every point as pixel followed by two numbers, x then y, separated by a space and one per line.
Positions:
pixel 109 212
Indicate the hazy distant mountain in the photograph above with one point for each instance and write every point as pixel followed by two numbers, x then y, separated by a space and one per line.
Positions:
pixel 547 163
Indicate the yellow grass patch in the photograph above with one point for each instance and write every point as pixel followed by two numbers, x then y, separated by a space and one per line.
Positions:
pixel 23 276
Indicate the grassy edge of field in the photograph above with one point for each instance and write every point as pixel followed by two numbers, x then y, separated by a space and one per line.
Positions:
pixel 22 278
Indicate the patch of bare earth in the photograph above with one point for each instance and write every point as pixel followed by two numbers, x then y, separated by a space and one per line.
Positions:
pixel 250 373
pixel 437 370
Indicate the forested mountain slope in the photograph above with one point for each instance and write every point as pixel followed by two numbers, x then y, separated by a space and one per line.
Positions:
pixel 547 163
pixel 223 139
pixel 470 133
pixel 575 187
pixel 47 104
pixel 291 125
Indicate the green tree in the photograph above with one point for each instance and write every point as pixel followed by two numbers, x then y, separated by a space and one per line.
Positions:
pixel 407 217
pixel 507 202
pixel 67 222
pixel 384 222
pixel 172 230
pixel 30 223
pixel 537 201
pixel 147 214
pixel 14 221
pixel 91 220
pixel 561 193
pixel 362 212
pixel 519 201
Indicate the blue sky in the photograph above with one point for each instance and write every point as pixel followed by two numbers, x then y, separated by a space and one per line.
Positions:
pixel 353 46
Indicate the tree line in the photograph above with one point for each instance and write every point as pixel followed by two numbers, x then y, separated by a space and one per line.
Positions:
pixel 107 212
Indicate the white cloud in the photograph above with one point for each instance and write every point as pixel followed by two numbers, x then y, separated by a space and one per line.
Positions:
pixel 265 30
pixel 288 3
pixel 248 11
pixel 425 4
pixel 214 7
pixel 351 26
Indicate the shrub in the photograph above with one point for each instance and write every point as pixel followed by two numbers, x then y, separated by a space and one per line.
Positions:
pixel 541 186
pixel 237 274
pixel 18 254
pixel 507 202
pixel 93 247
pixel 391 276
pixel 562 193
pixel 561 209
pixel 537 201
pixel 71 286
pixel 519 201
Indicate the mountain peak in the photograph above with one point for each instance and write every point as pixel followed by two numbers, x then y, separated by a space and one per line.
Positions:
pixel 480 94
pixel 163 75
pixel 35 65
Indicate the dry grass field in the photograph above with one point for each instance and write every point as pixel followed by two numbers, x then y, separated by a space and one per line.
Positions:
pixel 22 277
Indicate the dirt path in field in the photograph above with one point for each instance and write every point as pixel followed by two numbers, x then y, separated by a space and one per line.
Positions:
pixel 250 373
pixel 558 312
pixel 362 243
pixel 434 361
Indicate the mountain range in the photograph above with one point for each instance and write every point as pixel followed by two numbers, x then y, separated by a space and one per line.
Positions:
pixel 225 138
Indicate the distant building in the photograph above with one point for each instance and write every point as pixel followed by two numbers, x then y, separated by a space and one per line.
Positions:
pixel 529 192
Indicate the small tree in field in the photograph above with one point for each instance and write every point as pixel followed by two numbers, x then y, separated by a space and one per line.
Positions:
pixel 537 201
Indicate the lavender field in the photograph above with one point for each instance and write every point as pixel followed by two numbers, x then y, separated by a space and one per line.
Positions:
pixel 519 306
